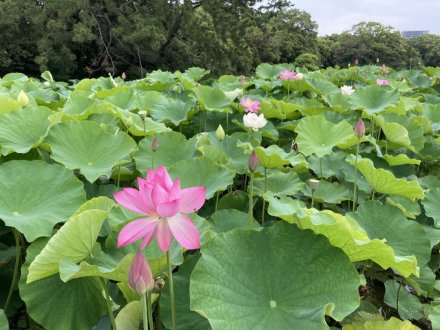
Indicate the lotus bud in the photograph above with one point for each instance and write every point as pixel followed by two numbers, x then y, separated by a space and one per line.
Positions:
pixel 253 161
pixel 123 75
pixel 359 130
pixel 313 184
pixel 23 99
pixel 242 80
pixel 158 285
pixel 140 277
pixel 154 145
pixel 220 133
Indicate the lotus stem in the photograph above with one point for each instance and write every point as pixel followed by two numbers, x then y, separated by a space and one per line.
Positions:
pixel 355 177
pixel 173 305
pixel 221 152
pixel 216 200
pixel 144 311
pixel 150 311
pixel 313 198
pixel 251 200
pixel 152 161
pixel 227 122
pixel 320 168
pixel 264 202
pixel 109 303
pixel 16 267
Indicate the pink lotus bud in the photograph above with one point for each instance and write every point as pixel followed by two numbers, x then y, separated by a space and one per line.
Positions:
pixel 253 161
pixel 359 130
pixel 242 80
pixel 140 277
pixel 154 145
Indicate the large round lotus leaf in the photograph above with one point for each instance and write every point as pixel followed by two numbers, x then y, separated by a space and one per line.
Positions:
pixel 8 104
pixel 74 241
pixel 4 325
pixel 431 204
pixel 322 86
pixel 342 232
pixel 173 146
pixel 275 157
pixel 406 237
pixel 384 182
pixel 391 324
pixel 77 304
pixel 185 318
pixel 229 219
pixel 329 192
pixel 272 279
pixel 434 316
pixel 23 129
pixel 400 159
pixel 34 196
pixel 374 99
pixel 211 98
pixel 409 306
pixel 396 133
pixel 268 71
pixel 279 183
pixel 174 111
pixel 318 136
pixel 202 171
pixel 129 317
pixel 87 146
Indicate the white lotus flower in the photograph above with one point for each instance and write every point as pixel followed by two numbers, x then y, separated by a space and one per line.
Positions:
pixel 254 121
pixel 347 90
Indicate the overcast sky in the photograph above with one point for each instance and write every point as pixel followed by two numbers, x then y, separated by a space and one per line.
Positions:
pixel 335 16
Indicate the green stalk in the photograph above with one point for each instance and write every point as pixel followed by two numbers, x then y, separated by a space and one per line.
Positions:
pixel 109 303
pixel 216 200
pixel 17 266
pixel 152 161
pixel 145 131
pixel 320 168
pixel 144 311
pixel 119 175
pixel 150 311
pixel 251 201
pixel 227 121
pixel 355 177
pixel 173 305
pixel 221 153
pixel 313 198
pixel 264 202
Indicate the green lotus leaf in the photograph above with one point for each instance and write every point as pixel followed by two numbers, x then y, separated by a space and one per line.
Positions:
pixel 8 104
pixel 329 192
pixel 374 99
pixel 396 133
pixel 391 324
pixel 237 200
pixel 255 280
pixel 400 159
pixel 434 316
pixel 129 317
pixel 407 238
pixel 174 111
pixel 4 325
pixel 268 71
pixel 173 146
pixel 195 73
pixel 322 86
pixel 89 147
pixel 409 306
pixel 23 129
pixel 283 205
pixel 287 110
pixel 34 196
pixel 431 204
pixel 74 241
pixel 279 183
pixel 345 233
pixel 384 182
pixel 410 208
pixel 225 220
pixel 318 136
pixel 275 157
pixel 424 284
pixel 212 99
pixel 161 76
pixel 270 110
pixel 102 265
pixel 432 112
pixel 202 171
pixel 185 318
pixel 55 304
pixel 98 203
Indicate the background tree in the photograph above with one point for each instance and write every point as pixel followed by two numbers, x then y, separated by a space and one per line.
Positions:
pixel 428 47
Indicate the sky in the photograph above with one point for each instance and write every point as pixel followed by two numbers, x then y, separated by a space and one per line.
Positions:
pixel 336 16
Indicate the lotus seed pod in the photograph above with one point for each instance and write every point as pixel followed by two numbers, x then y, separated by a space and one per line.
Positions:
pixel 313 184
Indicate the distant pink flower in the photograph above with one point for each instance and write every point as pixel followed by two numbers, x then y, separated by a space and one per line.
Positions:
pixel 140 276
pixel 249 105
pixel 382 82
pixel 161 198
pixel 288 75
pixel 384 69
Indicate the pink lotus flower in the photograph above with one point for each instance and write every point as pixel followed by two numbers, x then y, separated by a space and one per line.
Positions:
pixel 140 276
pixel 166 204
pixel 382 82
pixel 288 75
pixel 249 105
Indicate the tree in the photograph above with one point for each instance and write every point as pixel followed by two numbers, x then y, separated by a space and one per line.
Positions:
pixel 428 47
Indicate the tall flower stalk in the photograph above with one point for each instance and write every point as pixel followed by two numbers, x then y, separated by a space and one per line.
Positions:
pixel 171 283
pixel 360 132
pixel 252 164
